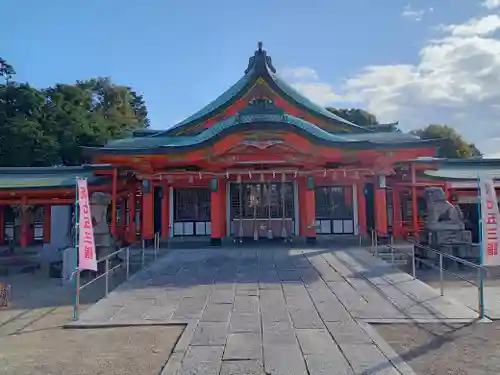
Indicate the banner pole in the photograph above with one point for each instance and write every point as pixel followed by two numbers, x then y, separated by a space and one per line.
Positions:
pixel 76 301
pixel 481 245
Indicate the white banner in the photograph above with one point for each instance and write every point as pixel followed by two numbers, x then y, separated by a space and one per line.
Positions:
pixel 86 245
pixel 490 218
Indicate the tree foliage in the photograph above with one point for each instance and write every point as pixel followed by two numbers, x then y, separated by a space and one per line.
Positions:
pixel 6 70
pixel 43 127
pixel 355 115
pixel 453 145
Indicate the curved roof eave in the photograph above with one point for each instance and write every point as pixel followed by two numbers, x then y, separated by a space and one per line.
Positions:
pixel 164 145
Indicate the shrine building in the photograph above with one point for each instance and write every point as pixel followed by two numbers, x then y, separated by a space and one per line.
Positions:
pixel 261 162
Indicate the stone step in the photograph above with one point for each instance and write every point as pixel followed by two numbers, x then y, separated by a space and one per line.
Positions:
pixel 399 259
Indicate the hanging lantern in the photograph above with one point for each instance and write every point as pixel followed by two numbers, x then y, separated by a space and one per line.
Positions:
pixel 324 173
pixel 262 177
pixel 310 183
pixel 295 175
pixel 227 175
pixel 249 175
pixel 274 174
pixel 199 175
pixel 344 173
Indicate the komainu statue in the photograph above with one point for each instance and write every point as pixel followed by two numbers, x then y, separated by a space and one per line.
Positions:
pixel 99 203
pixel 441 214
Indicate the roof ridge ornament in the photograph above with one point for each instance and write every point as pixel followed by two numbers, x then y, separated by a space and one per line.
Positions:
pixel 260 61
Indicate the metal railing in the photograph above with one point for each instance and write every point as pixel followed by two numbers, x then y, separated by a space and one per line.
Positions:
pixel 110 269
pixel 481 271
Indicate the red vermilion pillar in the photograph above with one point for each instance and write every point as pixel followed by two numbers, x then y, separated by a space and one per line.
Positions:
pixel 165 212
pixel 131 228
pixel 396 212
pixel 380 206
pixel 147 213
pixel 224 208
pixel 360 188
pixel 414 201
pixel 307 208
pixel 113 203
pixel 24 240
pixel 123 218
pixel 47 221
pixel 2 225
pixel 217 212
pixel 447 191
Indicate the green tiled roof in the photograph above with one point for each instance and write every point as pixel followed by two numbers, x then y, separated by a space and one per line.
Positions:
pixel 48 177
pixel 455 163
pixel 462 173
pixel 231 93
pixel 160 143
pixel 260 66
pixel 462 169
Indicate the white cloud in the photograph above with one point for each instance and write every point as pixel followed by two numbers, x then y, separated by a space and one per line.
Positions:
pixel 306 80
pixel 299 74
pixel 456 82
pixel 491 4
pixel 319 92
pixel 476 26
pixel 415 14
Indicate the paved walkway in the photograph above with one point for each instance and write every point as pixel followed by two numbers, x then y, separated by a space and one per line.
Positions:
pixel 276 311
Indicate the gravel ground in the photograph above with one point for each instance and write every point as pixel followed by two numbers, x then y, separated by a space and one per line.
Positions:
pixel 33 342
pixel 103 351
pixel 446 349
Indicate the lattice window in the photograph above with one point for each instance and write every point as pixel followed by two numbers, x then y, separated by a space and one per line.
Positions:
pixel 261 200
pixel 192 204
pixel 334 202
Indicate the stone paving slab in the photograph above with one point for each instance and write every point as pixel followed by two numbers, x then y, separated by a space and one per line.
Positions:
pixel 245 322
pixel 217 312
pixel 243 346
pixel 202 360
pixel 368 359
pixel 321 353
pixel 275 311
pixel 242 368
pixel 210 333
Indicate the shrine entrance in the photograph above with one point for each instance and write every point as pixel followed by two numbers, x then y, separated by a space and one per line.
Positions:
pixel 262 210
pixel 191 212
pixel 335 210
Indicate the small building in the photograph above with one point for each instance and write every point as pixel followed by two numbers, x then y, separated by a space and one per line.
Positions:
pixel 260 162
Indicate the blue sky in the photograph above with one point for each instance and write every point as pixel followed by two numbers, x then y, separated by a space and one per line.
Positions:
pixel 182 54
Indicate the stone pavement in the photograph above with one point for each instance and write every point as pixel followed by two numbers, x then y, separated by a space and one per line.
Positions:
pixel 276 311
pixel 468 295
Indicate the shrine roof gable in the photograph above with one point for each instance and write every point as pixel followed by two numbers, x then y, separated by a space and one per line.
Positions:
pixel 260 67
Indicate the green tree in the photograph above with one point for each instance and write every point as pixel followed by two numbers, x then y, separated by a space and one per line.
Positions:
pixel 6 70
pixel 23 139
pixel 49 126
pixel 453 145
pixel 355 115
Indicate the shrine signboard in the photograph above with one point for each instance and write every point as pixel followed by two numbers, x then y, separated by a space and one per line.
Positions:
pixel 490 219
